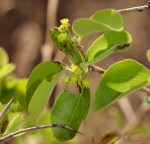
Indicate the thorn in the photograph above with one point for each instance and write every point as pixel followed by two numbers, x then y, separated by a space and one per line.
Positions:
pixel 66 127
pixel 6 107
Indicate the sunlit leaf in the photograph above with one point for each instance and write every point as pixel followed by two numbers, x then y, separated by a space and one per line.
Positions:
pixel 40 99
pixel 7 69
pixel 101 21
pixel 119 80
pixel 44 70
pixel 107 44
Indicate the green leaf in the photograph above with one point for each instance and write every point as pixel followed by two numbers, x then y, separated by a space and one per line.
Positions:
pixel 85 101
pixel 3 57
pixel 66 110
pixel 20 89
pixel 109 17
pixel 101 21
pixel 69 109
pixel 40 98
pixel 44 70
pixel 148 55
pixel 15 124
pixel 7 69
pixel 119 80
pixel 107 44
pixel 14 87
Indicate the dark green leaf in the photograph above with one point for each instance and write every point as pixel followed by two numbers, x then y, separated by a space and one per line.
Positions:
pixel 85 101
pixel 119 80
pixel 66 110
pixel 69 109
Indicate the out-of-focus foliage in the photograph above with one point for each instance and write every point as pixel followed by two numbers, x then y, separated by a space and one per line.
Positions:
pixel 11 86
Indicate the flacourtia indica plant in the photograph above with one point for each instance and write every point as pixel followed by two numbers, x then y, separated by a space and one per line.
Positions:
pixel 118 80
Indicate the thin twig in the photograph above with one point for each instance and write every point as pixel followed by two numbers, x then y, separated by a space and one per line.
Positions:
pixel 11 135
pixel 139 8
pixel 6 107
pixel 102 71
pixel 96 69
pixel 127 109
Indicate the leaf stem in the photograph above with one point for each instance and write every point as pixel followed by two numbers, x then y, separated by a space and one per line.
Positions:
pixel 138 8
pixel 13 134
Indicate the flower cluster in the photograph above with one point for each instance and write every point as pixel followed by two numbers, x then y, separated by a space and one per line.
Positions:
pixel 62 37
pixel 63 28
pixel 78 77
pixel 64 24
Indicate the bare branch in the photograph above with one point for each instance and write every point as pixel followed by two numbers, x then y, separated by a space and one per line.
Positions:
pixel 139 8
pixel 96 69
pixel 6 107
pixel 11 135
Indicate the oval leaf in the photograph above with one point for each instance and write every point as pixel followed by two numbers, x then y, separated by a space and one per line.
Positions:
pixel 66 110
pixel 119 80
pixel 69 109
pixel 109 17
pixel 101 21
pixel 40 98
pixel 107 44
pixel 44 70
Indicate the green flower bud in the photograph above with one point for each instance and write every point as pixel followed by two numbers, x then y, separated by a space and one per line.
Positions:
pixel 85 83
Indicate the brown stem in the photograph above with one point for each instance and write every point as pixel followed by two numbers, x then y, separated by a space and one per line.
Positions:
pixel 139 8
pixel 13 134
pixel 96 69
pixel 6 107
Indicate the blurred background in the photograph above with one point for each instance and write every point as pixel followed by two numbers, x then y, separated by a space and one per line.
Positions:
pixel 24 26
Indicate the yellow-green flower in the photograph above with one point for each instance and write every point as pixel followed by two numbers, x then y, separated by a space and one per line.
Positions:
pixel 65 23
pixel 77 69
pixel 73 79
pixel 85 83
pixel 62 37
